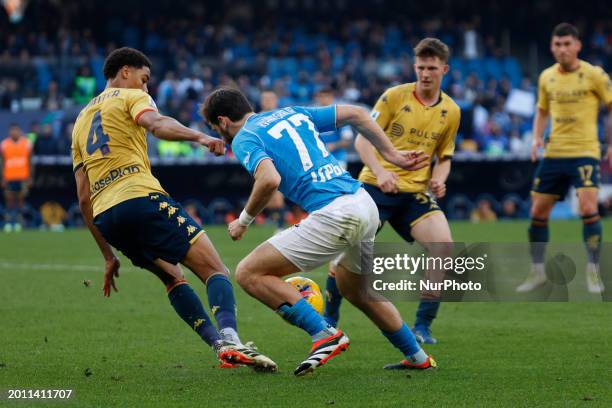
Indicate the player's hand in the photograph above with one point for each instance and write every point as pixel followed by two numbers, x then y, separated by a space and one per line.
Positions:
pixel 4 183
pixel 29 183
pixel 215 146
pixel 408 159
pixel 111 271
pixel 387 182
pixel 236 230
pixel 438 188
pixel 608 156
pixel 537 143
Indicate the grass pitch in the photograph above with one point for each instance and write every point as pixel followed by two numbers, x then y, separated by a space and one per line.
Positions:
pixel 133 351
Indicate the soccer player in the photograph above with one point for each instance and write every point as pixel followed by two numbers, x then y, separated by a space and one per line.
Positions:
pixel 569 94
pixel 282 150
pixel 337 141
pixel 124 205
pixel 413 116
pixel 17 172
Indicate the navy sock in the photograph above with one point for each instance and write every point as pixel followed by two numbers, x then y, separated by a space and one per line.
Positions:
pixel 592 235
pixel 404 340
pixel 222 301
pixel 538 237
pixel 426 312
pixel 302 315
pixel 189 307
pixel 333 299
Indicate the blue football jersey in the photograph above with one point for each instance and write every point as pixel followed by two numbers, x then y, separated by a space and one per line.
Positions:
pixel 310 175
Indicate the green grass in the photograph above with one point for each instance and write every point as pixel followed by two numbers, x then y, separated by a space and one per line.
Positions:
pixel 140 354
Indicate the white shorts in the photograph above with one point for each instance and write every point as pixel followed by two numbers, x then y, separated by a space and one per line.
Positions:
pixel 336 231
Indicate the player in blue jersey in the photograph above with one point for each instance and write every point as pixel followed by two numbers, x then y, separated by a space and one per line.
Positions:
pixel 282 150
pixel 338 140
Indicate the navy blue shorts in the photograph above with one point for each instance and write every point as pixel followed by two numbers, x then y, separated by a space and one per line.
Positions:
pixel 16 186
pixel 147 228
pixel 402 210
pixel 555 176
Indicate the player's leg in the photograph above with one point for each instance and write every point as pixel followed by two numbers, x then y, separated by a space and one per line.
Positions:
pixel 586 180
pixel 592 232
pixel 550 184
pixel 354 287
pixel 259 274
pixel 431 231
pixel 333 297
pixel 10 203
pixel 20 207
pixel 203 259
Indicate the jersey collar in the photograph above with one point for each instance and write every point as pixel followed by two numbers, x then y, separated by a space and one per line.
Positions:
pixel 423 103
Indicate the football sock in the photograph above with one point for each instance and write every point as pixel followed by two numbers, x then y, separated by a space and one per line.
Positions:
pixel 189 307
pixel 404 341
pixel 222 301
pixel 592 234
pixel 538 236
pixel 333 299
pixel 13 215
pixel 302 315
pixel 426 313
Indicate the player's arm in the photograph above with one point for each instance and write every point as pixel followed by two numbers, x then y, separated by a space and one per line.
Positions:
pixel 266 183
pixel 167 128
pixel 30 180
pixel 608 134
pixel 539 125
pixel 386 180
pixel 541 118
pixel 111 262
pixel 368 128
pixel 439 175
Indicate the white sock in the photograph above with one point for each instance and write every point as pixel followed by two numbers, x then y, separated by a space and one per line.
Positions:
pixel 230 334
pixel 418 358
pixel 329 331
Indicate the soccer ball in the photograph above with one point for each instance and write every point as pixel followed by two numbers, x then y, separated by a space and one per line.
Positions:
pixel 309 291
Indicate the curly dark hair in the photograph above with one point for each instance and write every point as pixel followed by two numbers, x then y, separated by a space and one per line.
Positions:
pixel 122 57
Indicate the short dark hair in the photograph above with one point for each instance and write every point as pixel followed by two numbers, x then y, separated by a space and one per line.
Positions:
pixel 432 47
pixel 563 29
pixel 122 57
pixel 225 101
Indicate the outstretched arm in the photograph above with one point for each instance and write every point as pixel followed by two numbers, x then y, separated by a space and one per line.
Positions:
pixel 167 128
pixel 366 126
pixel 386 180
pixel 111 262
pixel 267 181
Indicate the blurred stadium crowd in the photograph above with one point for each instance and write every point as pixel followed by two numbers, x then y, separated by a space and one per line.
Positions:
pixel 51 62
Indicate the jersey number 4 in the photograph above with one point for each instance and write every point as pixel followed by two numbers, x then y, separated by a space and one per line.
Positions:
pixel 101 139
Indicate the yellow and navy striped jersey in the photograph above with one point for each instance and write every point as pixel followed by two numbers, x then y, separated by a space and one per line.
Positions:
pixel 411 125
pixel 573 100
pixel 112 148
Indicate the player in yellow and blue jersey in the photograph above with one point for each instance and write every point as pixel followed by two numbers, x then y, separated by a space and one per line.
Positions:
pixel 124 205
pixel 413 116
pixel 569 94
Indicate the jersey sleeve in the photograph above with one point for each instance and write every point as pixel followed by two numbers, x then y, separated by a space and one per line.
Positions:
pixel 324 117
pixel 384 108
pixel 543 102
pixel 446 148
pixel 249 150
pixel 603 86
pixel 77 159
pixel 139 103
